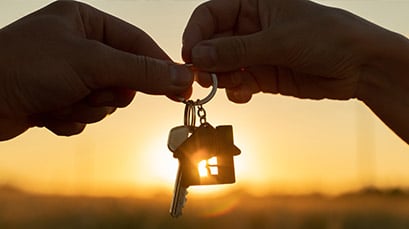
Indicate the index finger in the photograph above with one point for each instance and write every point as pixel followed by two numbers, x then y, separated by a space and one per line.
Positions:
pixel 207 20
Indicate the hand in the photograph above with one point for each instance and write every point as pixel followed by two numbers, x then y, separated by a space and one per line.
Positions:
pixel 302 49
pixel 294 47
pixel 69 64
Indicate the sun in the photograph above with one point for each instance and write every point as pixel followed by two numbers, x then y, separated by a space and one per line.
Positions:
pixel 160 164
pixel 160 168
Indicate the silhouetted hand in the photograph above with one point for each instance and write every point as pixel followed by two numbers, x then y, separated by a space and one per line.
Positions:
pixel 69 64
pixel 302 49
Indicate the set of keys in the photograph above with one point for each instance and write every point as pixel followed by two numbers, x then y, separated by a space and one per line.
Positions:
pixel 205 153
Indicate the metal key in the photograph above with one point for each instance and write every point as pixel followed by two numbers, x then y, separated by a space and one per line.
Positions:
pixel 177 137
pixel 179 194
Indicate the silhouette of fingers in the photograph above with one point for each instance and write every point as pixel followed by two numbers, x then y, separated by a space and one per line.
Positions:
pixel 64 128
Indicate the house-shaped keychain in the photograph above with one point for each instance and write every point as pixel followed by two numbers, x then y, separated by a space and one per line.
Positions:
pixel 206 157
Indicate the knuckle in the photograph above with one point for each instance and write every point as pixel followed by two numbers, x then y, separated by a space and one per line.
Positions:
pixel 63 5
pixel 86 71
pixel 236 51
pixel 150 74
pixel 144 71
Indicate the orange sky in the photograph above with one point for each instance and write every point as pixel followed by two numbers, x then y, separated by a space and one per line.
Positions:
pixel 288 145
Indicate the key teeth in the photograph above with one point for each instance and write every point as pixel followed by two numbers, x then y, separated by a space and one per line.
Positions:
pixel 184 202
pixel 185 197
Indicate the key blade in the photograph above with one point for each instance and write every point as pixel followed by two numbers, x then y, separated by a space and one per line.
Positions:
pixel 177 207
pixel 179 196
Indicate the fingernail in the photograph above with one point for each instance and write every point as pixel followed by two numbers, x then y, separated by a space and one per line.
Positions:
pixel 180 75
pixel 204 56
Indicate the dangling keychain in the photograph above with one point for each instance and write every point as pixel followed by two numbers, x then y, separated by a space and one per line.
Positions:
pixel 205 153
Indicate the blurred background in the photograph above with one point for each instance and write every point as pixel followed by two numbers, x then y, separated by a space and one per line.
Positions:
pixel 304 163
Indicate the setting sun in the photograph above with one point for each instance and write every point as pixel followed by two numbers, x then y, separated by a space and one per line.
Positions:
pixel 275 161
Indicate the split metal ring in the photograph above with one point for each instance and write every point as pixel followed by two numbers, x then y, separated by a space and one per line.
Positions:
pixel 190 116
pixel 211 94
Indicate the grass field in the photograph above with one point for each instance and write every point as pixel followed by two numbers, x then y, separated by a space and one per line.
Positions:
pixel 366 209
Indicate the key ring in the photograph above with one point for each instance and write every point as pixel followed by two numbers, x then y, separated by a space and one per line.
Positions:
pixel 190 116
pixel 211 94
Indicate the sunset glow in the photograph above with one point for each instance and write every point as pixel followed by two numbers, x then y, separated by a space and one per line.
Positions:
pixel 287 145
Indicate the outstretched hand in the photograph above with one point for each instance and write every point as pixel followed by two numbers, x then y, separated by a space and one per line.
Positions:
pixel 302 49
pixel 69 64
pixel 296 48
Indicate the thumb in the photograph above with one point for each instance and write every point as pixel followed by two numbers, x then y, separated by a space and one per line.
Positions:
pixel 106 67
pixel 230 53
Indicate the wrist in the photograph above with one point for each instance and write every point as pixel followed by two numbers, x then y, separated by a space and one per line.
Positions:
pixel 2 77
pixel 385 68
pixel 384 81
pixel 5 69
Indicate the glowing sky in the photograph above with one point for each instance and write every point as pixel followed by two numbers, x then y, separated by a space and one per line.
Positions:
pixel 288 145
